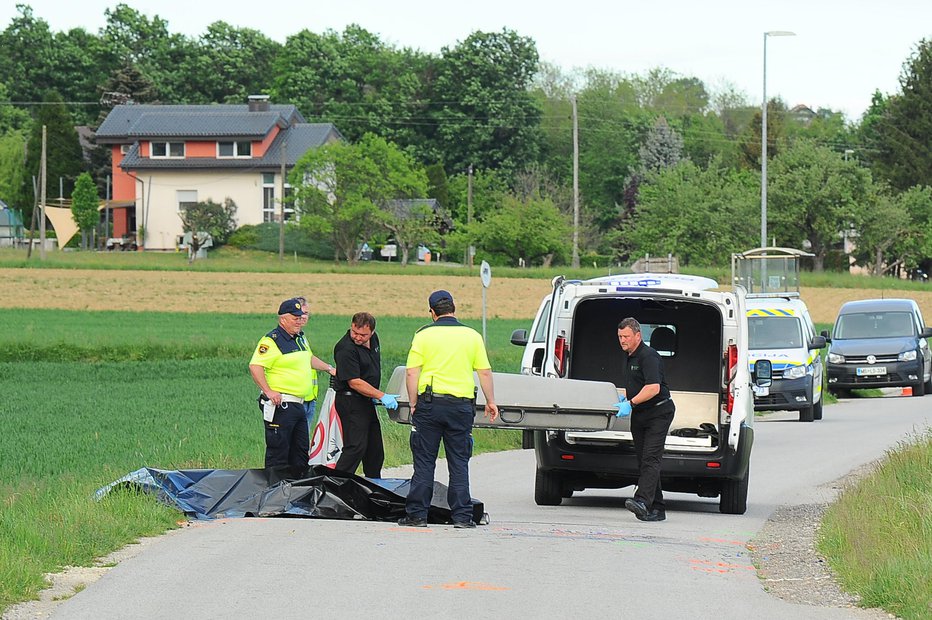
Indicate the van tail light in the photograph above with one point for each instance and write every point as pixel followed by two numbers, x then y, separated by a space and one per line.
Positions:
pixel 559 351
pixel 732 371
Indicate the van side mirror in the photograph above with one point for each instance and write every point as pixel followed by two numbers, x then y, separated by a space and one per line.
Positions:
pixel 763 373
pixel 519 337
pixel 818 342
pixel 825 335
pixel 926 332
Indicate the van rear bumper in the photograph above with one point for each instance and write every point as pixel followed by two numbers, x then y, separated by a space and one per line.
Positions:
pixel 616 466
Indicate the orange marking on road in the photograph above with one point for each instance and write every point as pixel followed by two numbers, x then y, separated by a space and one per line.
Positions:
pixel 466 585
pixel 721 540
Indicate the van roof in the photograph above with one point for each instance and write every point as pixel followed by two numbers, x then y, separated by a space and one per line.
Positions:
pixel 655 281
pixel 792 303
pixel 876 305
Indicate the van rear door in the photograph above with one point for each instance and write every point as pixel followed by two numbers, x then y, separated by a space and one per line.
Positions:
pixel 742 397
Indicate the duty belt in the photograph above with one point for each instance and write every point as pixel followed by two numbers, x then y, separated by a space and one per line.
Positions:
pixel 288 398
pixel 450 397
pixel 350 393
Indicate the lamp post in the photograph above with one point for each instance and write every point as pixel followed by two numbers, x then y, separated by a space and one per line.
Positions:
pixel 763 141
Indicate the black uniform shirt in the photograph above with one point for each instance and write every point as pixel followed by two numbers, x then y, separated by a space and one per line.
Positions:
pixel 643 367
pixel 355 361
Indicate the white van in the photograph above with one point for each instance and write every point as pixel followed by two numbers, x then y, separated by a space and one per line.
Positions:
pixel 700 332
pixel 781 330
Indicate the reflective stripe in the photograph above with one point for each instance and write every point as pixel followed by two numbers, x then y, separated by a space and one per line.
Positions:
pixel 771 312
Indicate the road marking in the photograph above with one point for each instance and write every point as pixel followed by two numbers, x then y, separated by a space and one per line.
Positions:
pixel 466 585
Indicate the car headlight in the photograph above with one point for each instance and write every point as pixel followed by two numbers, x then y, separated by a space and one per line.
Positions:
pixel 794 372
pixel 907 356
pixel 834 358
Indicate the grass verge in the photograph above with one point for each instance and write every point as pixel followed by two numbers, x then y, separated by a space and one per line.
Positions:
pixel 878 535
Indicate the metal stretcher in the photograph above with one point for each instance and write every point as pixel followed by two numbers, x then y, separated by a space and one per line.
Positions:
pixel 531 402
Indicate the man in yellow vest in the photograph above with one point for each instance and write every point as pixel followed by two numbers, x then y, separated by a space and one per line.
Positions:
pixel 284 368
pixel 442 392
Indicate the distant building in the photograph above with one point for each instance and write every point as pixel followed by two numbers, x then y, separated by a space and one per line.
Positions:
pixel 167 156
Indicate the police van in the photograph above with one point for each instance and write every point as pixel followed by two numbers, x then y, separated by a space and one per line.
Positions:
pixel 781 330
pixel 702 335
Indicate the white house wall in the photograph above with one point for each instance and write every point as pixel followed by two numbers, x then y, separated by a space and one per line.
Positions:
pixel 158 194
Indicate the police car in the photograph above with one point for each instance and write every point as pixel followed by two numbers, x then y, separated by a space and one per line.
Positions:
pixel 781 330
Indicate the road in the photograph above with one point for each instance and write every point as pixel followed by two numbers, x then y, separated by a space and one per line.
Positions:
pixel 586 558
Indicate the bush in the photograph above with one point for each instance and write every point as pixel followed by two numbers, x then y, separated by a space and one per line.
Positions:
pixel 264 237
pixel 244 237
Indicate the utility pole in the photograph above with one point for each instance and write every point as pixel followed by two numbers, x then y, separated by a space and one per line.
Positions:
pixel 42 184
pixel 281 223
pixel 575 185
pixel 469 217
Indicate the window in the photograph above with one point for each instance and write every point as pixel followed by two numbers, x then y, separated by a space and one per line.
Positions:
pixel 167 149
pixel 661 338
pixel 774 332
pixel 234 149
pixel 270 206
pixel 186 198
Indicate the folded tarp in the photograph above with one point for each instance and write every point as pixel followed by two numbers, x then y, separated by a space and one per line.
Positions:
pixel 325 493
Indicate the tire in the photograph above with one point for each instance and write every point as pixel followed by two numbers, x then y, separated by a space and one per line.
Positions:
pixel 928 386
pixel 548 488
pixel 807 414
pixel 817 410
pixel 919 389
pixel 734 498
pixel 840 392
pixel 527 440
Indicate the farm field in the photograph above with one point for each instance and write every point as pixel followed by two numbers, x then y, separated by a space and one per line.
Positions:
pixel 329 293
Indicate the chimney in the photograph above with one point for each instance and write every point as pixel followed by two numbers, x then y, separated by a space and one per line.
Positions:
pixel 258 103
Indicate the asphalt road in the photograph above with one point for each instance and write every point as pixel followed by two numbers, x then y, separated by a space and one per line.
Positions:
pixel 587 558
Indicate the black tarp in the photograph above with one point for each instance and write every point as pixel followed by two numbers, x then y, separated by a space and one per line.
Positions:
pixel 325 493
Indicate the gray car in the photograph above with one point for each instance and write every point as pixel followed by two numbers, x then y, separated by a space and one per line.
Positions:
pixel 879 343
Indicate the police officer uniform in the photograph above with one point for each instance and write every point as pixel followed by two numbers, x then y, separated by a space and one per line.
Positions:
pixel 447 352
pixel 362 433
pixel 286 360
pixel 650 422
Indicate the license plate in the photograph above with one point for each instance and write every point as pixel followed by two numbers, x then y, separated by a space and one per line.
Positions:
pixel 872 371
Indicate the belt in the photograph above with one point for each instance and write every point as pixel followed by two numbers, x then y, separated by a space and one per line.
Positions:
pixel 288 398
pixel 350 393
pixel 450 397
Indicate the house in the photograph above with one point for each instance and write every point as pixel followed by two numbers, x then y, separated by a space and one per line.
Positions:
pixel 167 156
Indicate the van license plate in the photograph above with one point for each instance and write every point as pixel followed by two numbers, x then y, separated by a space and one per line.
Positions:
pixel 872 371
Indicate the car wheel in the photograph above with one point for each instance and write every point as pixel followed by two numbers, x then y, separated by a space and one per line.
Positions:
pixel 548 488
pixel 734 499
pixel 817 410
pixel 919 389
pixel 928 386
pixel 840 392
pixel 807 414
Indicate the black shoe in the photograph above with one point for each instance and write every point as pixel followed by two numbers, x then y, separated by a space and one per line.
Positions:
pixel 409 521
pixel 464 525
pixel 637 507
pixel 653 515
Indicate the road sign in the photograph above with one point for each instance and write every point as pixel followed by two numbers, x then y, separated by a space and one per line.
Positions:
pixel 485 273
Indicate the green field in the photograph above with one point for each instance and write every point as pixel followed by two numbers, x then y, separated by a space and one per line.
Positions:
pixel 91 396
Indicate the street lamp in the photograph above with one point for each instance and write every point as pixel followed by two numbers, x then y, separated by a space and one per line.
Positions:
pixel 763 141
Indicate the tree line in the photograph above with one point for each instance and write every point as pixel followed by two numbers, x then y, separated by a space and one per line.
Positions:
pixel 667 165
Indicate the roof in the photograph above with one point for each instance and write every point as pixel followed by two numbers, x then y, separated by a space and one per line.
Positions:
pixel 655 281
pixel 877 305
pixel 301 138
pixel 130 122
pixel 775 302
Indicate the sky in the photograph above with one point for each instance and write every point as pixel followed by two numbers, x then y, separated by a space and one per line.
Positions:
pixel 841 53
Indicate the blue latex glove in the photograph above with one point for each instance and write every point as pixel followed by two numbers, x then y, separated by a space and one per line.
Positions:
pixel 389 401
pixel 624 407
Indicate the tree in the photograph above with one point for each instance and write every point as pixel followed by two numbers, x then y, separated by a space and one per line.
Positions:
pixel 339 189
pixel 218 221
pixel 483 111
pixel 895 232
pixel 84 207
pixel 699 215
pixel 750 140
pixel 64 159
pixel 814 194
pixel 410 222
pixel 904 131
pixel 26 56
pixel 532 229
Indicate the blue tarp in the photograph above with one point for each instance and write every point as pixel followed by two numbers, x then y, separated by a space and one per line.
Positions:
pixel 325 493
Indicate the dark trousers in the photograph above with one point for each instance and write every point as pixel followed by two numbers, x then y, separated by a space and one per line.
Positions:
pixel 449 421
pixel 649 431
pixel 286 439
pixel 362 436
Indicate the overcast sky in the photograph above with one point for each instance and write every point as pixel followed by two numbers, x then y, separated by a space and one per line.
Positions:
pixel 843 49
